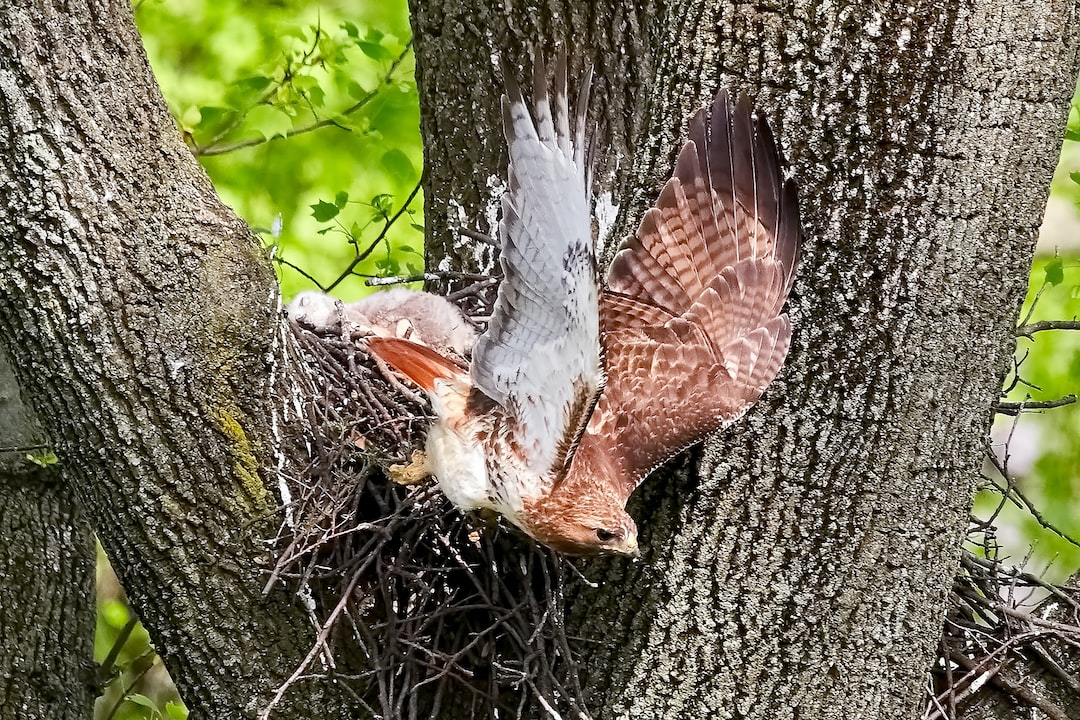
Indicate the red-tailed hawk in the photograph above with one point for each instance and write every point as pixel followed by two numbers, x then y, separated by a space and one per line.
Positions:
pixel 578 390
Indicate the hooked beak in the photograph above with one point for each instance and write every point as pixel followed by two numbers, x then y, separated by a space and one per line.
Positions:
pixel 629 547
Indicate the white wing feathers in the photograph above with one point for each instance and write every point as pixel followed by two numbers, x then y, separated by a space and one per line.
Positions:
pixel 540 355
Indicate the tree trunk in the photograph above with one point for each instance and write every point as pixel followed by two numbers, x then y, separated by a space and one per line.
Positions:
pixel 144 318
pixel 802 569
pixel 46 577
pixel 799 572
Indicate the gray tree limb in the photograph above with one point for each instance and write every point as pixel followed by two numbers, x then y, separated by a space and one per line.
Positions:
pixel 143 315
pixel 46 576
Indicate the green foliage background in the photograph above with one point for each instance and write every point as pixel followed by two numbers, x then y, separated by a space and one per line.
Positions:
pixel 240 78
pixel 234 73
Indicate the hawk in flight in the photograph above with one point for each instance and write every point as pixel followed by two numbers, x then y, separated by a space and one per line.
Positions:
pixel 579 389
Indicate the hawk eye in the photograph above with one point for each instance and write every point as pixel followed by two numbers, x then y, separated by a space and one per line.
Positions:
pixel 605 535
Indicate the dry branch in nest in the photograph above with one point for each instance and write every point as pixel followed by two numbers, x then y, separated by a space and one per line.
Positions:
pixel 447 610
pixel 1010 638
pixel 993 640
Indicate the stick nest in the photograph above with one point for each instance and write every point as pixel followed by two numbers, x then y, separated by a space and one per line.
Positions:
pixel 419 608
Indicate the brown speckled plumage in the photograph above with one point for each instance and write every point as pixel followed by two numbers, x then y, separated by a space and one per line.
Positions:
pixel 690 321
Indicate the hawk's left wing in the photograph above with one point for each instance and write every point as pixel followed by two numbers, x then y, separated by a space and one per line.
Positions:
pixel 692 317
pixel 540 356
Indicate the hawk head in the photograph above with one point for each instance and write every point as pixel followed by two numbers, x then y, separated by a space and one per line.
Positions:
pixel 581 524
pixel 584 512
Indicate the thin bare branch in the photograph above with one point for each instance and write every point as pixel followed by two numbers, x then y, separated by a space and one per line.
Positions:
pixel 1015 408
pixel 361 256
pixel 1029 329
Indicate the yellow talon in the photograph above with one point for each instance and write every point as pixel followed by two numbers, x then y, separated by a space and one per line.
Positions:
pixel 414 473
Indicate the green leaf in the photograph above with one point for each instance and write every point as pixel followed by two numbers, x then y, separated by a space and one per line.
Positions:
pixel 398 164
pixel 246 91
pixel 417 227
pixel 1072 135
pixel 1054 272
pixel 372 46
pixel 294 32
pixel 1075 177
pixel 287 99
pixel 43 458
pixel 341 198
pixel 383 205
pixel 115 613
pixel 324 211
pixel 252 83
pixel 211 119
pixel 140 699
pixel 304 82
pixel 356 90
pixel 270 122
pixel 351 30
pixel 303 85
pixel 374 50
pixel 176 711
pixel 388 266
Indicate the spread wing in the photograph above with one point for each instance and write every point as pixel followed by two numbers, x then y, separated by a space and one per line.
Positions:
pixel 539 358
pixel 691 317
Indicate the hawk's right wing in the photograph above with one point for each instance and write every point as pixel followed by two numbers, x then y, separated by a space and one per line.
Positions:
pixel 692 324
pixel 539 358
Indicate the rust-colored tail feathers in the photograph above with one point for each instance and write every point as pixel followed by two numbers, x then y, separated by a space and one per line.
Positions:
pixel 420 364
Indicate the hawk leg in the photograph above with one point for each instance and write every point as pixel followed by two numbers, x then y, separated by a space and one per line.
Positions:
pixel 414 473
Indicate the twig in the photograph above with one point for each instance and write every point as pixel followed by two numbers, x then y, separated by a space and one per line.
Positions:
pixel 106 667
pixel 1029 329
pixel 360 256
pixel 479 236
pixel 1015 408
pixel 127 691
pixel 22 448
pixel 379 281
pixel 428 276
pixel 1034 302
pixel 282 261
pixel 1011 687
pixel 1021 500
pixel 320 643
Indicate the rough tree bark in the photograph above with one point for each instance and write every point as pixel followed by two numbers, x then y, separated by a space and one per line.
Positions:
pixel 143 316
pixel 800 571
pixel 46 577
